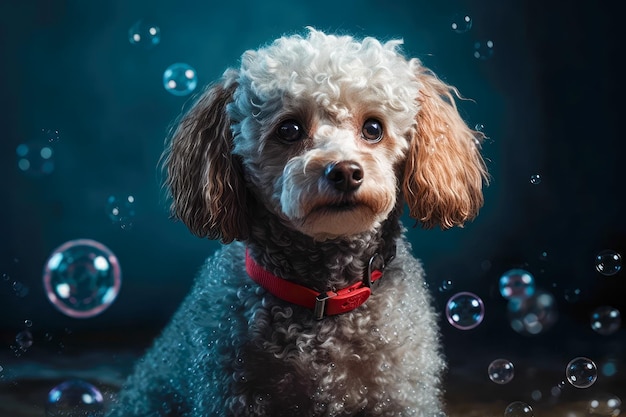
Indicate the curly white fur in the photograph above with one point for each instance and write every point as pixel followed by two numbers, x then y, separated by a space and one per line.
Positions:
pixel 233 349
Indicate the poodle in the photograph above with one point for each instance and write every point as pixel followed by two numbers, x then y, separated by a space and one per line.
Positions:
pixel 301 162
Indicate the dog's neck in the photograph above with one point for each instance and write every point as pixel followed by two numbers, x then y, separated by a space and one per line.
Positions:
pixel 320 265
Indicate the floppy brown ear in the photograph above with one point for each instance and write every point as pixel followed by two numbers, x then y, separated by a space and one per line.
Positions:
pixel 444 172
pixel 203 177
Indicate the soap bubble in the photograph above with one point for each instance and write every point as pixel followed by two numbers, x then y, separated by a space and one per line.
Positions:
pixel 24 339
pixel 501 371
pixel 121 211
pixel 605 404
pixel 82 278
pixel 74 398
pixel 180 79
pixel 461 23
pixel 518 409
pixel 144 34
pixel 465 310
pixel 446 285
pixel 517 283
pixel 606 320
pixel 36 157
pixel 483 50
pixel 581 372
pixel 572 295
pixel 608 262
pixel 532 315
pixel 535 179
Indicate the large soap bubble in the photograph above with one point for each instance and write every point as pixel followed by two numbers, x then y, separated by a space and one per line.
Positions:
pixel 75 398
pixel 82 278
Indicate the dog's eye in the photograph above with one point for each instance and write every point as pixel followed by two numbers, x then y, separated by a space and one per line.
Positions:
pixel 290 131
pixel 372 130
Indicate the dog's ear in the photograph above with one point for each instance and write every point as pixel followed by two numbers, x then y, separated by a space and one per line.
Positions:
pixel 203 177
pixel 444 172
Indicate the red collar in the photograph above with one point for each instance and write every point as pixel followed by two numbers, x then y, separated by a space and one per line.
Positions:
pixel 323 304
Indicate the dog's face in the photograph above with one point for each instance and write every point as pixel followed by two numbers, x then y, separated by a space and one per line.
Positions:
pixel 321 125
pixel 328 133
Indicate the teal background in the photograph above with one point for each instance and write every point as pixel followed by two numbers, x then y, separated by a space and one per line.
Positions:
pixel 550 98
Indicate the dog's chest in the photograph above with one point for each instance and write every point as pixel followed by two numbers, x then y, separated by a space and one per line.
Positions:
pixel 310 364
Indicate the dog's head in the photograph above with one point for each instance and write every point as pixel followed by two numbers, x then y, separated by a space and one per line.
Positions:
pixel 327 132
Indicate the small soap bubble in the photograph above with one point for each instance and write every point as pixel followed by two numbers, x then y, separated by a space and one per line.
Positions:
pixel 572 295
pixel 82 278
pixel 532 315
pixel 180 79
pixel 75 398
pixel 465 310
pixel 608 262
pixel 483 50
pixel 536 395
pixel 606 320
pixel 20 289
pixel 35 158
pixel 446 285
pixel 461 23
pixel 535 179
pixel 609 368
pixel 517 283
pixel 605 404
pixel 581 372
pixel 518 409
pixel 51 135
pixel 501 371
pixel 24 339
pixel 28 323
pixel 144 34
pixel 121 211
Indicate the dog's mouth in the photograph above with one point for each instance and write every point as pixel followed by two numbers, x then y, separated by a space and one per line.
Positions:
pixel 337 207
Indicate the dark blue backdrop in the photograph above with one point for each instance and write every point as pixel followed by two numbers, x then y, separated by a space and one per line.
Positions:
pixel 550 100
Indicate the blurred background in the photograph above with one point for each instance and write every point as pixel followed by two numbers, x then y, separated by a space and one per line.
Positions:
pixel 86 110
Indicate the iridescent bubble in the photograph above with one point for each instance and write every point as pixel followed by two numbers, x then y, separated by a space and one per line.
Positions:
pixel 446 285
pixel 75 398
pixel 465 310
pixel 36 157
pixel 461 23
pixel 180 79
pixel 535 179
pixel 581 372
pixel 20 289
pixel 82 278
pixel 518 409
pixel 609 368
pixel 532 315
pixel 121 211
pixel 517 283
pixel 24 339
pixel 606 320
pixel 144 34
pixel 608 262
pixel 605 404
pixel 501 371
pixel 483 50
pixel 572 295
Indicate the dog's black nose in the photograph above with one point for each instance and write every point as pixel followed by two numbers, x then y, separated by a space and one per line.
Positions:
pixel 345 175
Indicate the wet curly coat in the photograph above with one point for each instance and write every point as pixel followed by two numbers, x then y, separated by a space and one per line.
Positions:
pixel 305 157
